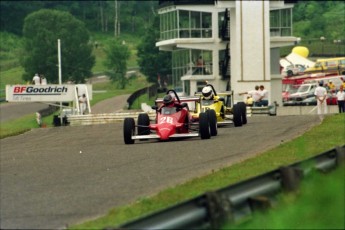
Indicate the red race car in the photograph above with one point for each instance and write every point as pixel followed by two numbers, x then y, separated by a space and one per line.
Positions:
pixel 173 120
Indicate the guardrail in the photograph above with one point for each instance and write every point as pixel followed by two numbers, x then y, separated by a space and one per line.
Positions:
pixel 151 90
pixel 235 202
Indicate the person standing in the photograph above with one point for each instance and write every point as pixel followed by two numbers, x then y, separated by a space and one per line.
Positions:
pixel 331 86
pixel 43 80
pixel 321 98
pixel 200 64
pixel 82 104
pixel 36 80
pixel 341 99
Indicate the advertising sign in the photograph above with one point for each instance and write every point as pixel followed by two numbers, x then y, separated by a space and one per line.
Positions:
pixel 43 93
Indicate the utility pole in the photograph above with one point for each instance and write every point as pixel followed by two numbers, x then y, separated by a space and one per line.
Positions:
pixel 115 20
pixel 101 15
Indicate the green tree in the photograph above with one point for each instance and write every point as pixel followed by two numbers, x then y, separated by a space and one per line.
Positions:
pixel 313 19
pixel 41 31
pixel 116 62
pixel 152 61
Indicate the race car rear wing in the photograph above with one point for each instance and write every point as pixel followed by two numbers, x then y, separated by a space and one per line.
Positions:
pixel 225 93
pixel 182 99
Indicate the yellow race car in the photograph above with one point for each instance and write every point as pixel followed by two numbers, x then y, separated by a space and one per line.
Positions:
pixel 214 106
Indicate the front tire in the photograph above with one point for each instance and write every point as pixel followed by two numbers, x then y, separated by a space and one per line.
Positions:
pixel 128 130
pixel 143 124
pixel 212 119
pixel 204 128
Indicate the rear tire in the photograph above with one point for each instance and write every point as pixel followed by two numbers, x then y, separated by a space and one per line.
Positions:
pixel 128 130
pixel 243 108
pixel 237 115
pixel 204 127
pixel 212 119
pixel 143 120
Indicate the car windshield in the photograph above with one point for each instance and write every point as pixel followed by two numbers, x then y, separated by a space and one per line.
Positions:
pixel 303 89
pixel 168 110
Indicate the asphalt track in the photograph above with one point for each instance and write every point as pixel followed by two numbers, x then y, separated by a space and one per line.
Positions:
pixel 55 177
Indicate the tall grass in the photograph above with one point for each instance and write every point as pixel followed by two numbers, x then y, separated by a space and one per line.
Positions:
pixel 319 204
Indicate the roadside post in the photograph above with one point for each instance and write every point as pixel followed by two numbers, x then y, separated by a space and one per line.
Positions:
pixel 60 79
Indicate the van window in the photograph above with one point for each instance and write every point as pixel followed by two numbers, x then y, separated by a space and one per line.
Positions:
pixel 317 64
pixel 303 89
pixel 331 63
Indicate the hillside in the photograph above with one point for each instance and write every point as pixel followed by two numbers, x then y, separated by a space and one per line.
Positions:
pixel 135 16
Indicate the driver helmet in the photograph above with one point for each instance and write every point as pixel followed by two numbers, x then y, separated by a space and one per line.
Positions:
pixel 207 93
pixel 168 100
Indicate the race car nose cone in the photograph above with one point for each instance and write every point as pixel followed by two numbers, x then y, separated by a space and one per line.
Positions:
pixel 165 131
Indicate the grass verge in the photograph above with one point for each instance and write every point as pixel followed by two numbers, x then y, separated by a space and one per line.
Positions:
pixel 18 126
pixel 313 142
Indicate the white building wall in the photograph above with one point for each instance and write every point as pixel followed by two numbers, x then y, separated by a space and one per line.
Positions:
pixel 249 46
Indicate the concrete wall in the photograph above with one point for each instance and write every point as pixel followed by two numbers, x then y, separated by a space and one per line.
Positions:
pixel 303 110
pixel 249 46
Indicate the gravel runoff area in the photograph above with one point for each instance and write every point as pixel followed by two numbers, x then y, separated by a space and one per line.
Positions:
pixel 55 177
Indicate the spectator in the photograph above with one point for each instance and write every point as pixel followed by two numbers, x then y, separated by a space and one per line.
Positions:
pixel 36 80
pixel 200 66
pixel 341 99
pixel 263 100
pixel 331 86
pixel 249 101
pixel 82 104
pixel 321 96
pixel 43 80
pixel 255 94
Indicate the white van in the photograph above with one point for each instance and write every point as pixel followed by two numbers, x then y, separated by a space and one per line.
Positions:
pixel 304 91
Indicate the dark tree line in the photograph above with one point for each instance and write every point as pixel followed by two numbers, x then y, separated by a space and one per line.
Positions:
pixel 133 16
pixel 312 19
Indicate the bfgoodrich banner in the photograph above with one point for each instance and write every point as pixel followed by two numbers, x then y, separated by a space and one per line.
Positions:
pixel 43 93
